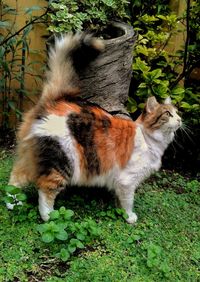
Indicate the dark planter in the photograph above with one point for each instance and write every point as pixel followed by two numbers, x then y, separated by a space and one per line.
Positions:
pixel 106 81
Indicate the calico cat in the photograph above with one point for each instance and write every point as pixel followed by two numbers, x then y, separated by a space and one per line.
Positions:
pixel 66 141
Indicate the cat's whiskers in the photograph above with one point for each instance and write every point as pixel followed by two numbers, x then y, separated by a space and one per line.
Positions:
pixel 175 141
pixel 187 132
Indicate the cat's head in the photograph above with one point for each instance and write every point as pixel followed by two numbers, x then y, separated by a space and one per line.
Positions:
pixel 162 117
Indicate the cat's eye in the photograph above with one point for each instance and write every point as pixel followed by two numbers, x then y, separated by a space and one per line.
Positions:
pixel 168 114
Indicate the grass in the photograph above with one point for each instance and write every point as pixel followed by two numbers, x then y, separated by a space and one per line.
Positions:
pixel 163 246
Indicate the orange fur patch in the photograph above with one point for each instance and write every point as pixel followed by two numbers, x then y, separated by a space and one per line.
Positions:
pixel 114 144
pixel 62 108
pixel 82 162
pixel 50 182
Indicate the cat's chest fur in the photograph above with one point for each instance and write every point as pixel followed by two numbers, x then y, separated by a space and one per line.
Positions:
pixel 146 154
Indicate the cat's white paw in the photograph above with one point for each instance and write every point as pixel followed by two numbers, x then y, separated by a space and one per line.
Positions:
pixel 132 218
pixel 45 217
pixel 11 206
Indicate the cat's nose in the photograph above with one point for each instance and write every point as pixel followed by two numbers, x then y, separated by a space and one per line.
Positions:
pixel 179 121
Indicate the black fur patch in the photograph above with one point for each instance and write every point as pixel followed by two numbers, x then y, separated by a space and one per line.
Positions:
pixel 82 127
pixel 83 55
pixel 106 123
pixel 51 156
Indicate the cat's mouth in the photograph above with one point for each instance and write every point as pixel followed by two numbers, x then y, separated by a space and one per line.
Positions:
pixel 178 125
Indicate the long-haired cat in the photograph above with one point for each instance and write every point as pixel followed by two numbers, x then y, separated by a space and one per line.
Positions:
pixel 66 141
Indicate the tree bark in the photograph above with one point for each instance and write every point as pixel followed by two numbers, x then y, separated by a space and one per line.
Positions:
pixel 106 81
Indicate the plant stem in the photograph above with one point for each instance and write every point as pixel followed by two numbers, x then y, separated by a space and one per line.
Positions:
pixel 22 84
pixel 185 58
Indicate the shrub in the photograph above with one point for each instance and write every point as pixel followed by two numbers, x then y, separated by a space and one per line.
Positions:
pixel 155 70
pixel 75 15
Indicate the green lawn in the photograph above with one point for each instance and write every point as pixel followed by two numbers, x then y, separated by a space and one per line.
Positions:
pixel 163 246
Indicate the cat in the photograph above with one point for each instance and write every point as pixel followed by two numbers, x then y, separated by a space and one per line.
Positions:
pixel 66 141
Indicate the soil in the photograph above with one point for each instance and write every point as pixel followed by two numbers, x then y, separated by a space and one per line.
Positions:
pixel 7 139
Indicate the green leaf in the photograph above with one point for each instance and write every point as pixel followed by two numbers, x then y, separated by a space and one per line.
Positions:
pixel 62 235
pixel 54 215
pixel 5 24
pixel 73 242
pixel 29 10
pixel 68 214
pixel 95 231
pixel 9 10
pixel 164 267
pixel 79 244
pixel 136 237
pixel 8 200
pixel 62 210
pixel 121 212
pixel 2 51
pixel 131 105
pixel 53 227
pixel 185 105
pixel 178 94
pixel 47 237
pixel 80 236
pixel 64 254
pixel 156 73
pixel 142 85
pixel 21 197
pixel 71 249
pixel 142 49
pixel 161 17
pixel 13 190
pixel 12 105
pixel 161 89
pixel 41 228
pixel 27 30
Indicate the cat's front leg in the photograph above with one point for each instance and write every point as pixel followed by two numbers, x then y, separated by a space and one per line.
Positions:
pixel 125 195
pixel 49 187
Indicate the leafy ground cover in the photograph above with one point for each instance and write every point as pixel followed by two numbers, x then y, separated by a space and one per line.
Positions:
pixel 163 246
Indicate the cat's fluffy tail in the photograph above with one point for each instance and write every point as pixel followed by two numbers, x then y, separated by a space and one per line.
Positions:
pixel 70 55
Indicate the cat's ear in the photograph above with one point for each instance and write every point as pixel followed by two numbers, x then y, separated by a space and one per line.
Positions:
pixel 151 104
pixel 168 101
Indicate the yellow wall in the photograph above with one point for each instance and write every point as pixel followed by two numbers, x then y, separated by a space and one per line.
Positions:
pixel 37 43
pixel 177 41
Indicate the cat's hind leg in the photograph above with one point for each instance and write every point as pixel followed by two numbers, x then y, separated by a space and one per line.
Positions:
pixel 49 187
pixel 125 196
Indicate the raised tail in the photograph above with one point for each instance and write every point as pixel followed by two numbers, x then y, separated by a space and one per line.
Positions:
pixel 71 54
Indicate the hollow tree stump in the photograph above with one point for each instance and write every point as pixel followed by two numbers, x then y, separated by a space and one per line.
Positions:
pixel 106 81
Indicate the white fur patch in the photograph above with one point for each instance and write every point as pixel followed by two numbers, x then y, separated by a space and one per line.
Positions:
pixel 52 125
pixel 68 145
pixel 44 207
